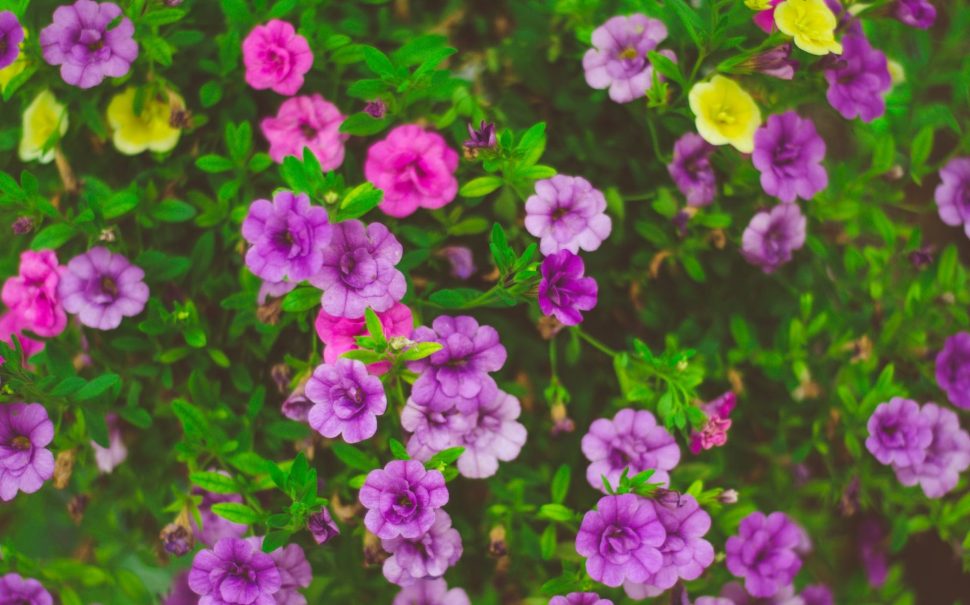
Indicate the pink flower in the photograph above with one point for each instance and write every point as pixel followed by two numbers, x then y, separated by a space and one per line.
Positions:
pixel 339 333
pixel 306 121
pixel 714 433
pixel 766 19
pixel 276 57
pixel 33 293
pixel 12 324
pixel 415 168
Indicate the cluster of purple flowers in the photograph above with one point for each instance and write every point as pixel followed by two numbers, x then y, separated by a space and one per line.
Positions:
pixel 23 591
pixel 235 571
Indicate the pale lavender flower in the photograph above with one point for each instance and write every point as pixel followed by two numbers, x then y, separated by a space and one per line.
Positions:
pixel 632 440
pixel 789 154
pixel 101 288
pixel 90 41
pixel 567 213
pixel 107 458
pixel 564 291
pixel 431 431
pixel 287 237
pixel 461 260
pixel 858 80
pixel 25 461
pixel 580 598
pixel 691 169
pixel 347 400
pixel 294 569
pixel 621 540
pixel 180 593
pixel 817 594
pixel 493 435
pixel 401 499
pixel 953 193
pixel 764 553
pixel 427 556
pixel 772 236
pixel 233 572
pixel 953 369
pixel 431 592
pixel 898 433
pixel 618 59
pixel 947 456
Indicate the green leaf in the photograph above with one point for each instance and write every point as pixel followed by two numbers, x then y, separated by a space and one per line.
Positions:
pixel 419 49
pixel 547 543
pixel 444 457
pixel 214 163
pixel 374 326
pixel 532 144
pixel 353 457
pixel 195 337
pixel 920 152
pixel 136 416
pixel 236 512
pixel 884 155
pixel 556 512
pixel 97 386
pixel 666 66
pixel 301 299
pixel 560 483
pixel 688 17
pixel 420 351
pixel 163 16
pixel 367 89
pixel 470 226
pixel 480 187
pixel 378 62
pixel 173 211
pixel 193 421
pixel 214 482
pixel 120 204
pixel 210 94
pixel 364 124
pixel 53 236
pixel 359 201
pixel 398 450
pixel 454 298
pixel 275 539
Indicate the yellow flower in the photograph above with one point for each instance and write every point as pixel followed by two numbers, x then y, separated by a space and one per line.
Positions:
pixel 811 23
pixel 16 68
pixel 896 72
pixel 45 121
pixel 758 5
pixel 725 112
pixel 151 129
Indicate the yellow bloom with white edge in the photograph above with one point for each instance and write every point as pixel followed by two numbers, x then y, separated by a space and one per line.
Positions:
pixel 811 23
pixel 16 68
pixel 758 5
pixel 725 113
pixel 149 130
pixel 45 121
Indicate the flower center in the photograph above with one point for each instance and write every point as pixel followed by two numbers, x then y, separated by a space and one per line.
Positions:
pixel 405 504
pixel 559 213
pixel 725 116
pixel 242 571
pixel 619 541
pixel 4 45
pixel 109 286
pixel 308 131
pixel 21 442
pixel 628 53
pixel 618 458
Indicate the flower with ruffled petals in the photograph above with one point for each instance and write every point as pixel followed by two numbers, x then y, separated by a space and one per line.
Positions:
pixel 276 57
pixel 631 440
pixel 431 592
pixel 764 553
pixel 433 431
pixel 295 572
pixel 567 213
pixel 427 556
pixel 621 540
pixel 347 400
pixel 17 590
pixel 101 287
pixel 233 572
pixel 772 236
pixel 788 152
pixel 947 456
pixel 287 237
pixel 952 195
pixel 32 293
pixel 25 461
pixel 725 113
pixel 11 37
pixel 306 122
pixel 339 334
pixel 401 499
pixel 90 41
pixel 618 59
pixel 811 23
pixel 691 169
pixel 492 435
pixel 898 433
pixel 858 80
pixel 953 369
pixel 714 432
pixel 563 290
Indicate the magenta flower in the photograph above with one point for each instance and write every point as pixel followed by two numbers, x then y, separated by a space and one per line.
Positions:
pixel 33 293
pixel 948 454
pixel 563 290
pixel 953 369
pixel 789 154
pixel 618 59
pixel 13 324
pixel 25 461
pixel 414 168
pixel 915 13
pixel 427 556
pixel 17 590
pixel 107 458
pixel 431 592
pixel 234 572
pixel 322 527
pixel 898 433
pixel 691 169
pixel 11 35
pixel 458 374
pixel 952 195
pixel 764 553
pixel 347 400
pixel 858 80
pixel 306 122
pixel 432 431
pixel 215 528
pixel 401 499
pixel 339 334
pixel 101 287
pixel 87 49
pixel 621 540
pixel 766 19
pixel 772 236
pixel 276 57
pixel 714 433
pixel 567 213
pixel 631 440
pixel 287 237
pixel 580 598
pixel 493 435
pixel 359 270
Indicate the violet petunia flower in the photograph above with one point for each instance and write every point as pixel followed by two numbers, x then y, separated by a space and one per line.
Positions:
pixel 90 41
pixel 461 259
pixel 359 270
pixel 580 598
pixel 427 556
pixel 431 592
pixel 691 169
pixel 347 400
pixel 306 122
pixel 920 14
pixel 858 80
pixel 233 572
pixel 788 152
pixel 947 456
pixel 898 433
pixel 287 237
pixel 953 369
pixel 873 552
pixel 179 593
pixel 764 553
pixel 294 569
pixel 17 590
pixel 401 499
pixel 339 334
pixel 567 213
pixel 563 289
pixel 618 59
pixel 276 57
pixel 632 440
pixel 493 435
pixel 25 461
pixel 952 195
pixel 107 458
pixel 772 236
pixel 817 594
pixel 458 374
pixel 322 527
pixel 101 287
pixel 433 431
pixel 714 432
pixel 621 540
pixel 11 35
pixel 32 294
pixel 215 528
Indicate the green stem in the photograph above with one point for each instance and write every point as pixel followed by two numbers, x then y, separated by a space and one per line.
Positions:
pixel 596 344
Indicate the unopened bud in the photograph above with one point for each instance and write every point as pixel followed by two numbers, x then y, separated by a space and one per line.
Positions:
pixel 728 496
pixel 497 547
pixel 63 467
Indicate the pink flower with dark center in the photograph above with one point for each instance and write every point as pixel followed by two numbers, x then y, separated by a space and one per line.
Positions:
pixel 276 57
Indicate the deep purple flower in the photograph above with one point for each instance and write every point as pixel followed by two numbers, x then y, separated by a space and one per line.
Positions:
pixel 180 593
pixel 922 257
pixel 25 461
pixel 347 400
pixel 563 291
pixel 427 556
pixel 714 432
pixel 817 594
pixel 858 80
pixel 482 137
pixel 947 456
pixel 493 435
pixel 789 154
pixel 953 193
pixel 294 570
pixel 215 528
pixel 580 598
pixel 101 287
pixel 87 49
pixel 915 13
pixel 11 35
pixel 359 270
pixel 433 431
pixel 772 236
pixel 17 590
pixel 234 572
pixel 898 433
pixel 461 259
pixel 402 499
pixel 764 553
pixel 631 440
pixel 775 62
pixel 873 551
pixel 618 59
pixel 691 169
pixel 953 369
pixel 376 108
pixel 458 374
pixel 431 592
pixel 322 527
pixel 621 540
pixel 567 213
pixel 287 237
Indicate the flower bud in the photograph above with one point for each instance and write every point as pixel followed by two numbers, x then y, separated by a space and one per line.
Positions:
pixel 322 527
pixel 728 496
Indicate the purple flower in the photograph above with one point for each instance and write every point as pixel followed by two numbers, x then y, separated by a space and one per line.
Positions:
pixel 87 49
pixel 686 554
pixel 296 406
pixel 789 154
pixel 180 593
pixel 294 570
pixel 402 499
pixel 17 590
pixel 817 594
pixel 947 456
pixel 359 270
pixel 457 375
pixel 772 236
pixel 567 213
pixel 872 551
pixel 580 598
pixel 915 13
pixel 631 440
pixel 347 400
pixel 618 59
pixel 898 433
pixel 215 528
pixel 733 593
pixel 563 291
pixel 775 62
pixel 621 540
pixel 493 435
pixel 433 431
pixel 234 572
pixel 691 169
pixel 322 527
pixel 953 369
pixel 376 108
pixel 287 237
pixel 25 461
pixel 481 138
pixel 177 539
pixel 953 193
pixel 858 80
pixel 461 260
pixel 11 35
pixel 107 458
pixel 431 592
pixel 427 556
pixel 101 287
pixel 764 553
